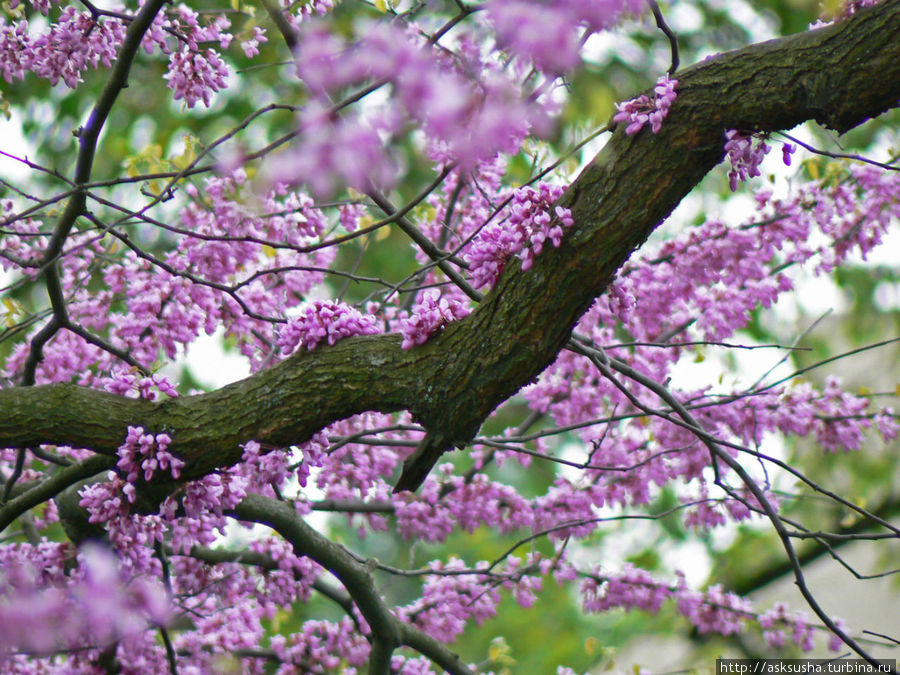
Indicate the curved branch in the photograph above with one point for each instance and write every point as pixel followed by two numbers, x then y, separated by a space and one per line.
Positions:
pixel 453 382
pixel 388 632
pixel 52 486
pixel 88 135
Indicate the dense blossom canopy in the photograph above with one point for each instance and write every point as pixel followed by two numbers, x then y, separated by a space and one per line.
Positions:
pixel 154 524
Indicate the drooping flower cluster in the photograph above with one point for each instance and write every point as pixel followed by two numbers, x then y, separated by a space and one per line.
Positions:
pixel 143 454
pixel 429 316
pixel 324 320
pixel 643 110
pixel 430 517
pixel 196 75
pixel 531 220
pixel 331 154
pixel 745 152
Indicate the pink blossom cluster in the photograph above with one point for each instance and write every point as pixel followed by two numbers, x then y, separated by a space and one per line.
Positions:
pixel 835 418
pixel 716 274
pixel 324 643
pixel 531 219
pixel 550 34
pixel 268 468
pixel 75 42
pixel 225 630
pixel 632 588
pixel 44 609
pixel 428 316
pixel 143 454
pixel 710 611
pixel 466 505
pixel 642 110
pixel 314 451
pixel 214 494
pixel 324 320
pixel 465 121
pixel 745 152
pixel 854 210
pixel 293 577
pixel 22 240
pixel 524 579
pixel 194 74
pixel 779 621
pixel 538 32
pixel 711 278
pixel 251 45
pixel 333 153
pixel 359 467
pixel 404 665
pixel 43 6
pixel 127 382
pixel 710 513
pixel 307 10
pixel 448 603
pixel 269 471
pixel 479 192
pixel 714 610
pixel 102 500
pixel 184 23
pixel 193 516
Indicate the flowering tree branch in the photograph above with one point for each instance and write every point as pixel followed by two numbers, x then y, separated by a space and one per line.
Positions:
pixel 490 306
pixel 453 382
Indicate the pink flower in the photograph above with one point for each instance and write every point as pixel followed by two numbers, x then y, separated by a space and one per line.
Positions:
pixel 531 220
pixel 639 111
pixel 428 317
pixel 745 156
pixel 323 320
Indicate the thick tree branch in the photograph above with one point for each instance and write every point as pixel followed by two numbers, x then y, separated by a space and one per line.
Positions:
pixel 840 76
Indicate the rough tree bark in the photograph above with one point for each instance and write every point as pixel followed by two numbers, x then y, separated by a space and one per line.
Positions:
pixel 839 76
